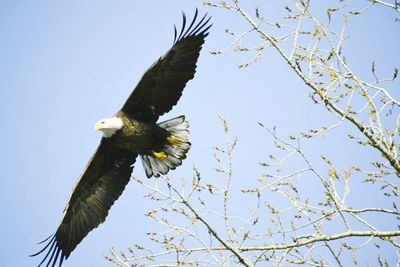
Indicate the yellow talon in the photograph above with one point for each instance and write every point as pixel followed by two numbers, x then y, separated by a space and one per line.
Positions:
pixel 160 155
pixel 174 141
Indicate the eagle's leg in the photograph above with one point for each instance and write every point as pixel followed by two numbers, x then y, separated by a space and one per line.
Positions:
pixel 174 140
pixel 160 155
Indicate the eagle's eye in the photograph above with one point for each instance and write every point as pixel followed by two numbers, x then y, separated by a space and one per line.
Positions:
pixel 102 122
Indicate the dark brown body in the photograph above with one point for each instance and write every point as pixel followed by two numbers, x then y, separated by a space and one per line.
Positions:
pixel 139 137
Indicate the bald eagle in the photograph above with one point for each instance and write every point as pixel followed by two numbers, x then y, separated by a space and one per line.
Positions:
pixel 132 131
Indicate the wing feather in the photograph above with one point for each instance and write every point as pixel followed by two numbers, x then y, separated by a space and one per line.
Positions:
pixel 100 185
pixel 162 84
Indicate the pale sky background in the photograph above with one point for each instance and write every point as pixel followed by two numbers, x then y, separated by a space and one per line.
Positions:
pixel 66 64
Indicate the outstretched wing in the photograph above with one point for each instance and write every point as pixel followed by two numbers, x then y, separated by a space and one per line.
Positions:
pixel 102 182
pixel 162 84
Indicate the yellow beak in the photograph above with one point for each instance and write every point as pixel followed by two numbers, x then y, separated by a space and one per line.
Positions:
pixel 97 126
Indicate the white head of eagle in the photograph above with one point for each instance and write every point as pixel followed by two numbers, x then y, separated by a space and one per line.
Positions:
pixel 109 126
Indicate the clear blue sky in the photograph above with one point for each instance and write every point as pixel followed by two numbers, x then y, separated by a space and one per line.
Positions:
pixel 66 64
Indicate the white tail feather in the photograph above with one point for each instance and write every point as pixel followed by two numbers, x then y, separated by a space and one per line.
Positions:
pixel 179 130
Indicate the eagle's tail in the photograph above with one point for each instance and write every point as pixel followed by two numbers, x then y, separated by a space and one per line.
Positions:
pixel 174 152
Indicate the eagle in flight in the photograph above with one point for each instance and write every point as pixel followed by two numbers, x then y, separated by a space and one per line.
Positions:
pixel 132 131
